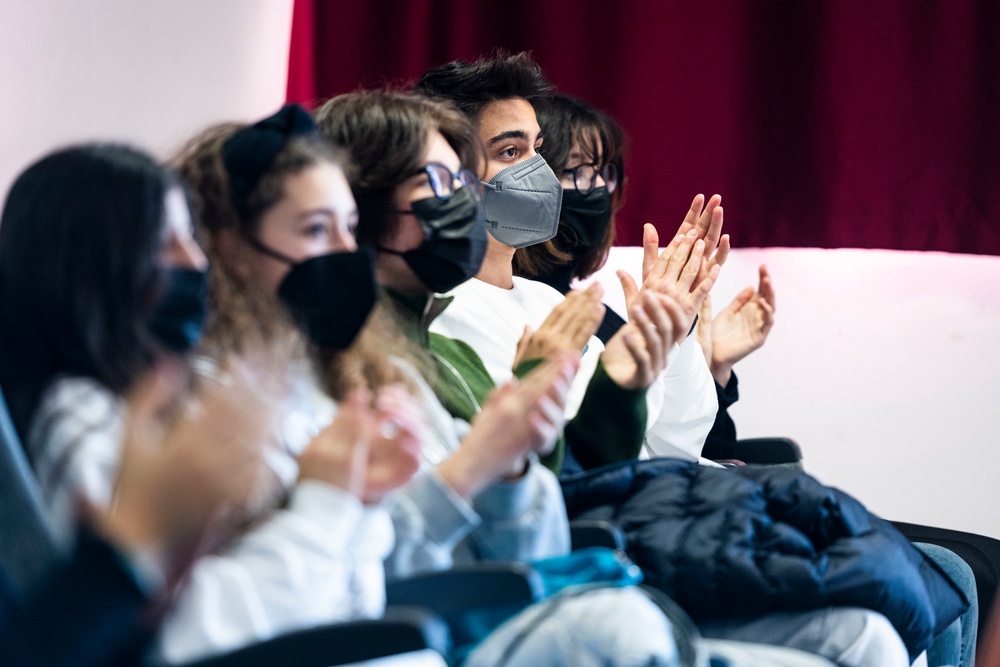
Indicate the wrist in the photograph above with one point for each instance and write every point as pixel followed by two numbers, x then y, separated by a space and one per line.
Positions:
pixel 464 473
pixel 721 372
pixel 517 470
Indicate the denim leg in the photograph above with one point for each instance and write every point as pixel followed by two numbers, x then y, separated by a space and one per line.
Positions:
pixel 964 630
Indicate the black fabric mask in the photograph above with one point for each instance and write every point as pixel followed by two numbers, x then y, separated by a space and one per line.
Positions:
pixel 454 241
pixel 179 316
pixel 587 217
pixel 329 296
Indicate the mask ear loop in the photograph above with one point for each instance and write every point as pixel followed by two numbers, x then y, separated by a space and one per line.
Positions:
pixel 270 252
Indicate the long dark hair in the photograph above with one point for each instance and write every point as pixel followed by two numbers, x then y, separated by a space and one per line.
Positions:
pixel 79 240
pixel 564 120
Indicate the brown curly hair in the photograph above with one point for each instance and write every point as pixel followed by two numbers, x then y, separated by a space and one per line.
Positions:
pixel 243 315
pixel 385 132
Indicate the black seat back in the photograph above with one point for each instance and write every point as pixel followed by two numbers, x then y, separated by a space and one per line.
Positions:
pixel 27 547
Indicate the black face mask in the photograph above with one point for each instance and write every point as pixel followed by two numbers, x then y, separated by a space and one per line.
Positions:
pixel 329 296
pixel 454 241
pixel 587 217
pixel 179 316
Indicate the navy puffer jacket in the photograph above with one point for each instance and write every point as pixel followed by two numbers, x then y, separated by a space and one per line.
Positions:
pixel 731 543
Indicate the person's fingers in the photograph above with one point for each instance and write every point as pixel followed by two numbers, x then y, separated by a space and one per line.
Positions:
pixel 705 312
pixel 679 257
pixel 395 408
pixel 738 302
pixel 766 286
pixel 157 390
pixel 679 322
pixel 656 330
pixel 693 215
pixel 721 253
pixel 549 410
pixel 629 288
pixel 552 378
pixel 650 248
pixel 692 267
pixel 523 345
pixel 584 324
pixel 768 316
pixel 702 289
pixel 704 223
pixel 595 291
pixel 635 344
pixel 713 231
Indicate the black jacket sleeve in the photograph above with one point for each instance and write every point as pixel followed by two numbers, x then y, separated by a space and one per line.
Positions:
pixel 90 612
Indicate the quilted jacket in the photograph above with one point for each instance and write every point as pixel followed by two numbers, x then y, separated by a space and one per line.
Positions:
pixel 736 543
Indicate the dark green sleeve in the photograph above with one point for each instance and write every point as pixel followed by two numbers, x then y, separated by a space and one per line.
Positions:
pixel 462 383
pixel 610 425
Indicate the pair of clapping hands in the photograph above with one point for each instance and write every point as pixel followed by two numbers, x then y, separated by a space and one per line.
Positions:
pixel 675 287
pixel 192 463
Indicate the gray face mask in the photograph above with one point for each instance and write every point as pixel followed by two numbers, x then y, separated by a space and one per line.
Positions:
pixel 521 203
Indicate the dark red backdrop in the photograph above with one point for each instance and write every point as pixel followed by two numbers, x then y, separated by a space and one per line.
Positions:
pixel 839 123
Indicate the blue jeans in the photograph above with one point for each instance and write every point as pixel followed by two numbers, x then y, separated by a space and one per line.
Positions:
pixel 957 644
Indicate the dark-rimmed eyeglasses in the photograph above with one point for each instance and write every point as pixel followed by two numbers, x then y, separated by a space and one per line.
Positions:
pixel 442 180
pixel 584 177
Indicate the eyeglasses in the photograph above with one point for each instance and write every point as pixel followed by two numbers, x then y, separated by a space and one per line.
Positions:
pixel 584 177
pixel 442 180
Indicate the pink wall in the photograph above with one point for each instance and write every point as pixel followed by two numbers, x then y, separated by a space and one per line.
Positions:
pixel 152 72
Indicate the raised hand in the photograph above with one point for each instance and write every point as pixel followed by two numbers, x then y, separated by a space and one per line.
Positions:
pixel 676 273
pixel 518 418
pixel 703 332
pixel 706 220
pixel 189 466
pixel 338 455
pixel 742 327
pixel 637 353
pixel 567 328
pixel 703 222
pixel 394 456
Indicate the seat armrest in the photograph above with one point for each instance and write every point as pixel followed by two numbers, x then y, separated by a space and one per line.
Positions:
pixel 471 599
pixel 400 630
pixel 584 534
pixel 767 451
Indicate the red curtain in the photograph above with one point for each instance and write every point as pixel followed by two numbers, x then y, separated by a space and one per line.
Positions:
pixel 836 123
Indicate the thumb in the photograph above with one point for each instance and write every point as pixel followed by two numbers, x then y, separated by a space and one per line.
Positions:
pixel 705 312
pixel 630 289
pixel 157 389
pixel 740 300
pixel 650 248
pixel 522 345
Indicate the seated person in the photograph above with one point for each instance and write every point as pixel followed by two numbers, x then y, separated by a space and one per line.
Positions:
pixel 119 221
pixel 522 204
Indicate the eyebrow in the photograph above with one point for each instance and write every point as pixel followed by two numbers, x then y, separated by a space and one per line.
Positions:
pixel 509 134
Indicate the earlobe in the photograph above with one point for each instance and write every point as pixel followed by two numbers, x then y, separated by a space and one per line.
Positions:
pixel 231 250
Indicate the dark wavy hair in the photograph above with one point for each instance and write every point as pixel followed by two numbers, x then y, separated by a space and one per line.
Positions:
pixel 564 120
pixel 79 240
pixel 470 86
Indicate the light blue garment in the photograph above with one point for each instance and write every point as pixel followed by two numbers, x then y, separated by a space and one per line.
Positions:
pixel 957 644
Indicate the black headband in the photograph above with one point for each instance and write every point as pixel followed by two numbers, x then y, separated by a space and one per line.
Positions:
pixel 250 153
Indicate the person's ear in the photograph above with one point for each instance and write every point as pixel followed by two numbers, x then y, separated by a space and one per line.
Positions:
pixel 233 251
